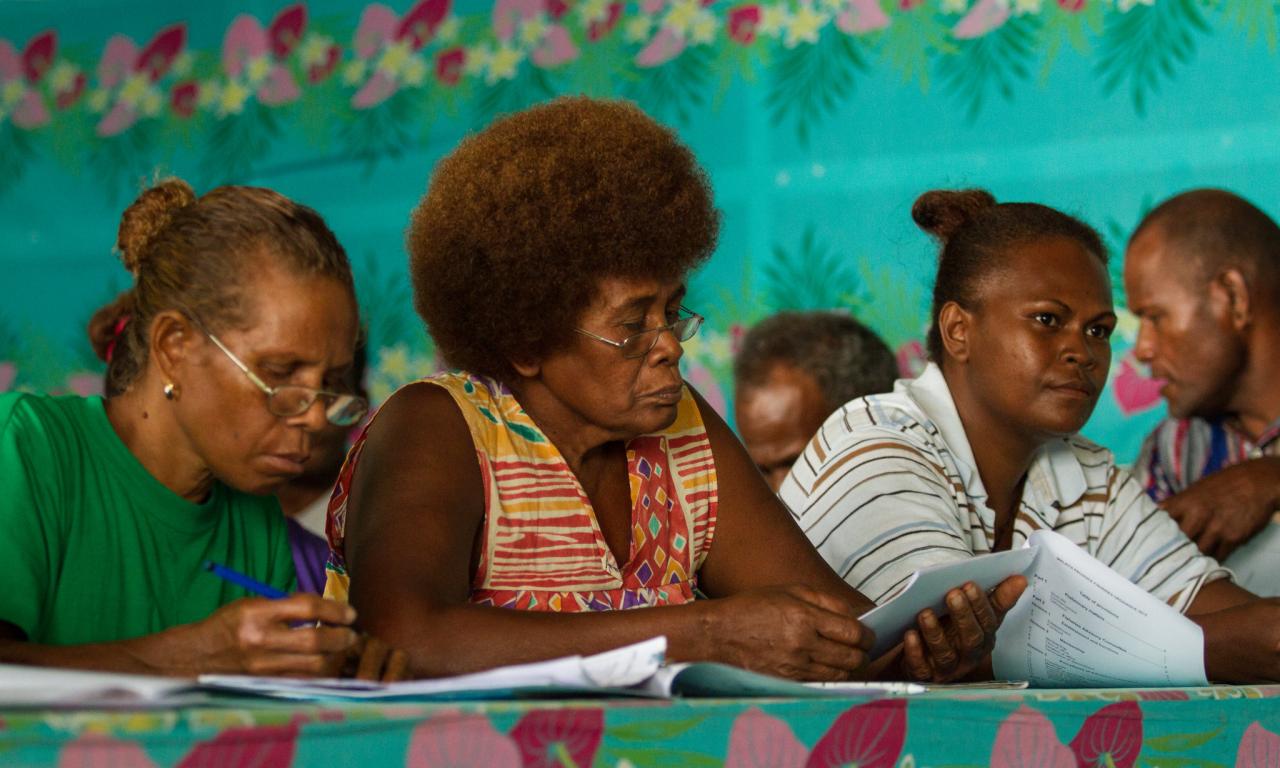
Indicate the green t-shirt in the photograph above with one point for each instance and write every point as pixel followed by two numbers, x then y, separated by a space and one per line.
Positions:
pixel 95 549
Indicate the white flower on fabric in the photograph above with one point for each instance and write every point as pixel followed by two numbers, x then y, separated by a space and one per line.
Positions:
pixel 534 30
pixel 1126 5
pixel 415 72
pixel 354 72
pixel 477 60
pixel 703 28
pixel 12 93
pixel 681 16
pixel 448 30
pixel 210 93
pixel 1021 7
pixel 503 64
pixel 394 362
pixel 638 29
pixel 63 76
pixel 834 6
pixel 314 50
pixel 135 88
pixel 99 99
pixel 394 58
pixel 804 26
pixel 152 102
pixel 234 96
pixel 955 6
pixel 258 70
pixel 592 11
pixel 773 19
pixel 182 64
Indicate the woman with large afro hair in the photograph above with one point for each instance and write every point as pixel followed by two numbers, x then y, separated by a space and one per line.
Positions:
pixel 566 470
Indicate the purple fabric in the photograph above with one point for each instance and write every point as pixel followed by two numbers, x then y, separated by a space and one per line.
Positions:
pixel 309 553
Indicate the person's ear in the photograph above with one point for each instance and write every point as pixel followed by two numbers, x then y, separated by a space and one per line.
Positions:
pixel 172 339
pixel 1235 293
pixel 527 368
pixel 955 323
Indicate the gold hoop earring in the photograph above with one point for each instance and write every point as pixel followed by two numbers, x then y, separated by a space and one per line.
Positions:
pixel 170 391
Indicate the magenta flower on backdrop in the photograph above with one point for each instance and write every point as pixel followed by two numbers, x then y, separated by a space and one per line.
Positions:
pixel 247 747
pixel 1026 739
pixel 912 359
pixel 743 22
pixel 131 76
pixel 985 16
pixel 261 56
pixel 449 64
pixel 599 29
pixel 759 740
pixel 22 76
pixel 1259 748
pixel 546 736
pixel 456 739
pixel 555 46
pixel 8 372
pixel 390 42
pixel 862 16
pixel 1112 736
pixel 99 750
pixel 1133 390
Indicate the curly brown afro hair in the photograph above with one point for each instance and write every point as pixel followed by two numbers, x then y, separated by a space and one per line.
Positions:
pixel 522 221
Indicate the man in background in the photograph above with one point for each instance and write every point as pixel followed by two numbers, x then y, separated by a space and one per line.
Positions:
pixel 1202 274
pixel 793 371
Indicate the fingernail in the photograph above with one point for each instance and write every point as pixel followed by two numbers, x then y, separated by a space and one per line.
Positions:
pixel 956 602
pixel 350 614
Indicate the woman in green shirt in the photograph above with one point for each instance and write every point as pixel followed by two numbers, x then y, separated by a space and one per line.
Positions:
pixel 221 359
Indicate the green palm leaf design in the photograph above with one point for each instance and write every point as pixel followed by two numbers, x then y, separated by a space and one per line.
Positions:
pixel 996 61
pixel 386 303
pixel 913 41
pixel 814 276
pixel 1258 18
pixel 17 153
pixel 675 90
pixel 811 81
pixel 1144 46
pixel 384 132
pixel 238 143
pixel 1115 236
pixel 530 86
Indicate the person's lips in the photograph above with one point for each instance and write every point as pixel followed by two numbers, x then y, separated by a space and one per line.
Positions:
pixel 667 395
pixel 285 463
pixel 1081 388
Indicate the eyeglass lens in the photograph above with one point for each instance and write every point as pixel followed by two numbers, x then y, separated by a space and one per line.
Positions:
pixel 640 344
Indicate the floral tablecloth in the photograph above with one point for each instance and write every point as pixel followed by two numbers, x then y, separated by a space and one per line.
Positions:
pixel 1186 727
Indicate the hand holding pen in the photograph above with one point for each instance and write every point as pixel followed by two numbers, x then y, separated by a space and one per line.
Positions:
pixel 254 636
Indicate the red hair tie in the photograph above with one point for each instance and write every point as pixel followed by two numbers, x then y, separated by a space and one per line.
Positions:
pixel 115 336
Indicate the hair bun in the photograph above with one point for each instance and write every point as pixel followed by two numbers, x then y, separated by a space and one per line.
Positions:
pixel 149 214
pixel 943 212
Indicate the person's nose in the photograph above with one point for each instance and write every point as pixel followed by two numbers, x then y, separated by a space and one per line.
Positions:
pixel 667 348
pixel 1077 350
pixel 314 418
pixel 1144 347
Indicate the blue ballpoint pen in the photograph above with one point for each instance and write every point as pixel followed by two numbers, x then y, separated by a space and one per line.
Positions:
pixel 240 580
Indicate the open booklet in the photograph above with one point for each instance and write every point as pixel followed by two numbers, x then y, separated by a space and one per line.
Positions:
pixel 49 688
pixel 635 670
pixel 1079 624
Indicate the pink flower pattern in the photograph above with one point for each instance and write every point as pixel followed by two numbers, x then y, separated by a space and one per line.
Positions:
pixel 541 736
pixel 121 60
pixel 763 741
pixel 381 28
pixel 1026 739
pixel 451 740
pixel 1112 736
pixel 869 735
pixel 1259 748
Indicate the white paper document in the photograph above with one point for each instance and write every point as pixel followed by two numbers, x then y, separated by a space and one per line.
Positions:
pixel 928 587
pixel 616 669
pixel 44 687
pixel 1081 624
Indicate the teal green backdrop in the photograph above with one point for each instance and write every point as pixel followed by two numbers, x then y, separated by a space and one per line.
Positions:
pixel 819 122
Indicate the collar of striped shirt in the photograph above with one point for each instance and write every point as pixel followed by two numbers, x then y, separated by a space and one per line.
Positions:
pixel 1055 476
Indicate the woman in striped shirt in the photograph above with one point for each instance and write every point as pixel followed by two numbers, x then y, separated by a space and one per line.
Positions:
pixel 981 450
pixel 517 510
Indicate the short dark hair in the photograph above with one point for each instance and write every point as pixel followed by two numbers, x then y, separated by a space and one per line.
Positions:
pixel 975 232
pixel 846 358
pixel 1220 230
pixel 522 221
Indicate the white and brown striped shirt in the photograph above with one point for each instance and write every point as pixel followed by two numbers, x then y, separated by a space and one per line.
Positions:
pixel 889 485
